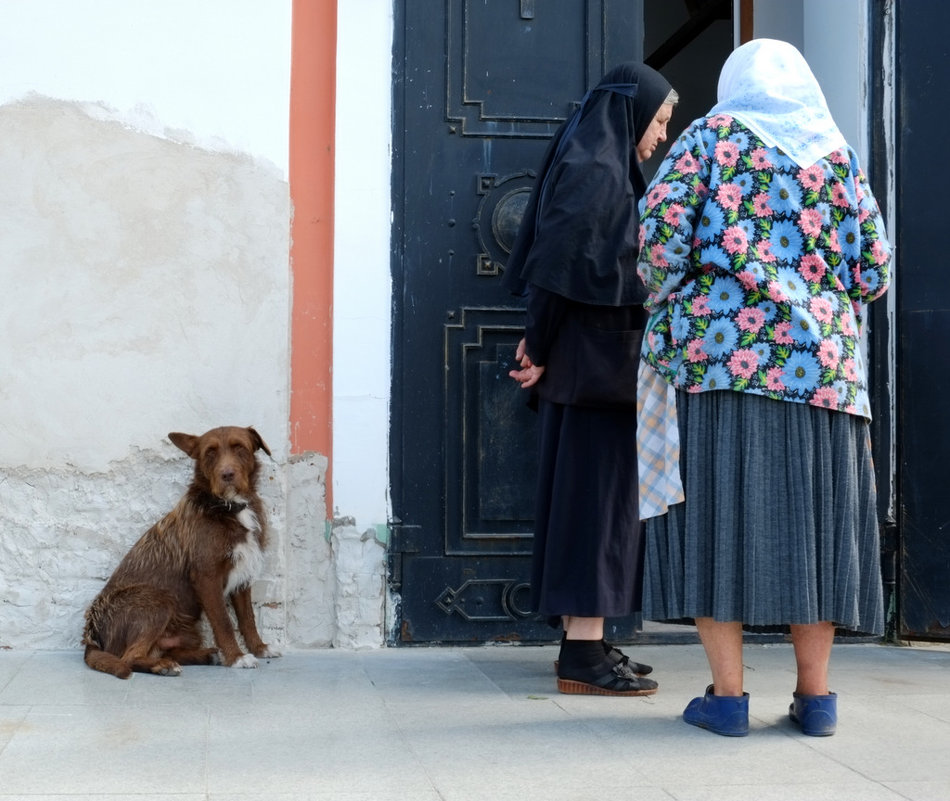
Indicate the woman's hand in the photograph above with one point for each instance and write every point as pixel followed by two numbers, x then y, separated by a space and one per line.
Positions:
pixel 530 373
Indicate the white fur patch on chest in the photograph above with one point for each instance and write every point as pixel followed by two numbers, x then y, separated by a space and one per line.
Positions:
pixel 247 518
pixel 247 558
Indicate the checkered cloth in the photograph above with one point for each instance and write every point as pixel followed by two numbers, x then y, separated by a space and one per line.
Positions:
pixel 658 444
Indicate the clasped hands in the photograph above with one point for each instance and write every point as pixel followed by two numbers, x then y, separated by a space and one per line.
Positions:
pixel 530 373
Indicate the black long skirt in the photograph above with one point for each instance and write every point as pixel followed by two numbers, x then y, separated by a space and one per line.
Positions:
pixel 588 548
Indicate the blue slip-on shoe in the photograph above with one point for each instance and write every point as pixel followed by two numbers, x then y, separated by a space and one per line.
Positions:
pixel 816 715
pixel 723 714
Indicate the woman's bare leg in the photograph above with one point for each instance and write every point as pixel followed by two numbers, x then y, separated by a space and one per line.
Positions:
pixel 723 645
pixel 812 643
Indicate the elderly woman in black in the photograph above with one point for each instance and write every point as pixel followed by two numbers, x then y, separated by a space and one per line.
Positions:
pixel 575 258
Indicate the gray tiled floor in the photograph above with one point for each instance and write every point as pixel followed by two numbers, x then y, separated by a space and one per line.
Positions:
pixel 451 724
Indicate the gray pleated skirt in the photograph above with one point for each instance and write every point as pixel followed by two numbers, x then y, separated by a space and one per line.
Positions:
pixel 779 525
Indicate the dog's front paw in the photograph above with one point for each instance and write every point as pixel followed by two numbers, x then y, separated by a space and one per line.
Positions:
pixel 166 667
pixel 266 652
pixel 245 661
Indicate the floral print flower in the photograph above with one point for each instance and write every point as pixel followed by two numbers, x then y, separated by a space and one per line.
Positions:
pixel 849 237
pixel 786 240
pixel 760 159
pixel 657 194
pixel 785 195
pixel 828 354
pixel 721 338
pixel 729 196
pixel 801 372
pixel 716 377
pixel 880 252
pixel 710 224
pixel 727 153
pixel 825 396
pixel 760 205
pixel 695 352
pixel 750 319
pixel 672 214
pixel 812 178
pixel 810 221
pixel 743 363
pixel 839 196
pixel 774 381
pixel 726 295
pixel 812 267
pixel 734 240
pixel 719 121
pixel 781 335
pixel 687 164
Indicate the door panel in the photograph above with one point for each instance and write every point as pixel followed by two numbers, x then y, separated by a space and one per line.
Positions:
pixel 923 320
pixel 481 85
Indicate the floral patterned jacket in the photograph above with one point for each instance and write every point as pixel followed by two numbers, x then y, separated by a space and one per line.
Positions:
pixel 758 269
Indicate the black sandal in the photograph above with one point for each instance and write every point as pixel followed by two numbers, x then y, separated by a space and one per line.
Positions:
pixel 618 657
pixel 607 678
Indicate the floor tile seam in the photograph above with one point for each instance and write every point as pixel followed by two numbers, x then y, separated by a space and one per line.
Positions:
pixel 406 746
pixel 820 745
pixel 206 752
pixel 395 724
pixel 500 690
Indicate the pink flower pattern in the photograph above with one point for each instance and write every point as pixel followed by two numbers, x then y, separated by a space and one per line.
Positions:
pixel 812 267
pixel 743 363
pixel 810 222
pixel 734 240
pixel 727 153
pixel 750 319
pixel 729 196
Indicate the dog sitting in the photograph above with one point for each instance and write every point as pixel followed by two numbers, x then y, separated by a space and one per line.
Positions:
pixel 204 552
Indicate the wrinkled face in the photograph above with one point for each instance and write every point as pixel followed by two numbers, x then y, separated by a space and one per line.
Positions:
pixel 655 133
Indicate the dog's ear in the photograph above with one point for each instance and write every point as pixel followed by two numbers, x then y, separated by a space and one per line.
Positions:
pixel 186 442
pixel 258 441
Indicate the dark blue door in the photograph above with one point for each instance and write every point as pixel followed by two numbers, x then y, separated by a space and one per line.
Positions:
pixel 922 320
pixel 480 88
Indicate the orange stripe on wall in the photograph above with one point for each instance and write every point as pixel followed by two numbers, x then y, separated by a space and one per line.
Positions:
pixel 311 158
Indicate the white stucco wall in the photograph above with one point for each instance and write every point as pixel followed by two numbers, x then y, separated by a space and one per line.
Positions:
pixel 133 349
pixel 362 301
pixel 214 73
pixel 144 267
pixel 362 319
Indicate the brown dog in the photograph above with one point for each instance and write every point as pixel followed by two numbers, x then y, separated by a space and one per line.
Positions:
pixel 209 548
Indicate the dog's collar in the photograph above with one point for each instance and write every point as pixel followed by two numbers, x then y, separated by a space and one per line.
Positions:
pixel 231 507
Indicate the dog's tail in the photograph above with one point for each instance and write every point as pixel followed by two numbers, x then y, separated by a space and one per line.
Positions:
pixel 105 662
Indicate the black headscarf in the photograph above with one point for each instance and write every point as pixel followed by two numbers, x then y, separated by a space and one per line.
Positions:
pixel 579 234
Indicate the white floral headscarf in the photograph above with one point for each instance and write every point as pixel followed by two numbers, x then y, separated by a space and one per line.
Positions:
pixel 767 85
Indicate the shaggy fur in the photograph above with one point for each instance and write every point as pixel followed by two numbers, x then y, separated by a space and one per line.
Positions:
pixel 206 551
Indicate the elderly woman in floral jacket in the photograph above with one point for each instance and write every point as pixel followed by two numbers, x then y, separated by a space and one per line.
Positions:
pixel 761 245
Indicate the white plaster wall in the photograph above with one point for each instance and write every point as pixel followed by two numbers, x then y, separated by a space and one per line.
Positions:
pixel 135 347
pixel 144 288
pixel 362 353
pixel 214 73
pixel 362 358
